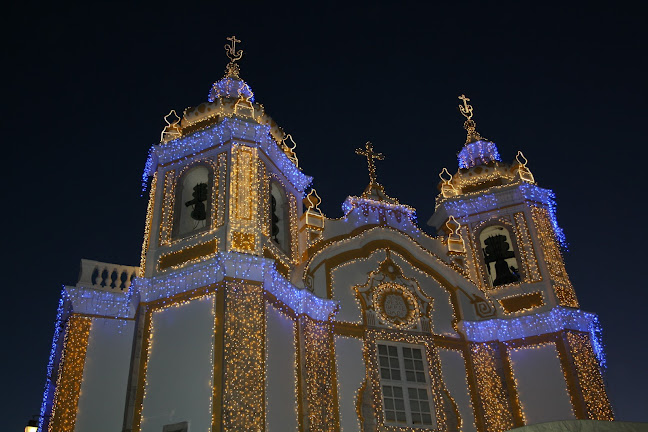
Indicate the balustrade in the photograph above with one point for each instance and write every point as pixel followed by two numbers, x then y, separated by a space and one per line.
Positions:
pixel 106 276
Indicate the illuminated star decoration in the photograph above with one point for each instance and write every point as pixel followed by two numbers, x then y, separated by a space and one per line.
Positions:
pixel 368 152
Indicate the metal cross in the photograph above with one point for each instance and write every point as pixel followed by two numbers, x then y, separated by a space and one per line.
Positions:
pixel 370 155
pixel 465 109
pixel 230 49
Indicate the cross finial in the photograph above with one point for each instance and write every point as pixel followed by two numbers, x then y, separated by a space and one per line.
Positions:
pixel 368 152
pixel 465 109
pixel 469 124
pixel 234 55
pixel 230 49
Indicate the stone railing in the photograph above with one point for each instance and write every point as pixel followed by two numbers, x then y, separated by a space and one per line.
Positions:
pixel 105 276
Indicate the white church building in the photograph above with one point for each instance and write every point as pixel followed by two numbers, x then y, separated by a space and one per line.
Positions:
pixel 253 311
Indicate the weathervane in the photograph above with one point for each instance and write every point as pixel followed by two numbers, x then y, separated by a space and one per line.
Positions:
pixel 368 152
pixel 234 55
pixel 467 111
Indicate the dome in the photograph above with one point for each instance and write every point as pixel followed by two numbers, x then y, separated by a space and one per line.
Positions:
pixel 230 87
pixel 480 152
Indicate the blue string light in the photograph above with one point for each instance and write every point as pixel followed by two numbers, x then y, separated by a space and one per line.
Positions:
pixel 555 320
pixel 58 326
pixel 230 129
pixel 480 152
pixel 230 87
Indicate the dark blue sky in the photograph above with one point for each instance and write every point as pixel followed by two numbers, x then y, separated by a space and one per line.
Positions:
pixel 86 88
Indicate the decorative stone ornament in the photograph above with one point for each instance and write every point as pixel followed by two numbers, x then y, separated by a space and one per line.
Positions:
pixel 389 299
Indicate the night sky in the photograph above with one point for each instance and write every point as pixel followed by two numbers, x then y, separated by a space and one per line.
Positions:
pixel 86 88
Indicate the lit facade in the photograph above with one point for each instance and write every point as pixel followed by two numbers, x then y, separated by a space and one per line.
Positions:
pixel 253 311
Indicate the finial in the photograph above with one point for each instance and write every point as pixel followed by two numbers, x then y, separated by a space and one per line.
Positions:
pixel 313 201
pixel 455 240
pixel 525 173
pixel 467 111
pixel 290 151
pixel 232 70
pixel 521 159
pixel 368 152
pixel 172 129
pixel 445 175
pixel 447 189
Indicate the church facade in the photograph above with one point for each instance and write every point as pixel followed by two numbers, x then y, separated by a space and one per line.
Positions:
pixel 253 311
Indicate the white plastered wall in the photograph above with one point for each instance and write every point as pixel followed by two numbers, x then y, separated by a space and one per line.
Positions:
pixel 442 314
pixel 350 376
pixel 348 275
pixel 281 388
pixel 345 277
pixel 180 367
pixel 453 372
pixel 540 383
pixel 105 376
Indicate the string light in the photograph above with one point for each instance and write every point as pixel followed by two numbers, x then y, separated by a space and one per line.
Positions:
pixel 235 139
pixel 49 377
pixel 480 152
pixel 557 319
pixel 491 390
pixel 68 383
pixel 244 344
pixel 589 376
pixel 148 225
pixel 318 340
pixel 553 258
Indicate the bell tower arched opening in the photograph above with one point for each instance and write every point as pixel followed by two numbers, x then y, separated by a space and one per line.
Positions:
pixel 279 217
pixel 193 201
pixel 500 259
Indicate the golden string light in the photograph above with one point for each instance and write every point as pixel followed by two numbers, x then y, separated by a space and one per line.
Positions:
pixel 318 353
pixel 244 347
pixel 70 377
pixel 369 153
pixel 528 254
pixel 491 390
pixel 589 377
pixel 556 266
pixel 246 305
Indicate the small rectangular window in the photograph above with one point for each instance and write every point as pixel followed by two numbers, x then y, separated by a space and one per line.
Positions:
pixel 406 391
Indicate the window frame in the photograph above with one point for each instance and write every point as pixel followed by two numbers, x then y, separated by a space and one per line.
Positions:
pixel 404 384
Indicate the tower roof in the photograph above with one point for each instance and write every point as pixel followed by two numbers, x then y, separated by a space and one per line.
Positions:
pixel 231 87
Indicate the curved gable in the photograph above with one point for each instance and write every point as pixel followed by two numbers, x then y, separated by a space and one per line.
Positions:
pixel 356 253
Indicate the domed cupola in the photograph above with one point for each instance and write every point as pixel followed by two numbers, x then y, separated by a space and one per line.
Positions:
pixel 231 85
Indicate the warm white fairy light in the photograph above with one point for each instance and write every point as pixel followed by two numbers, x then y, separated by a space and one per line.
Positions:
pixel 68 383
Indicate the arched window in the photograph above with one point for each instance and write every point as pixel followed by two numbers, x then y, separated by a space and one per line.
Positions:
pixel 279 218
pixel 193 201
pixel 501 263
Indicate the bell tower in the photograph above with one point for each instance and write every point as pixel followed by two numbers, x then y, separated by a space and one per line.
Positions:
pixel 508 224
pixel 225 179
